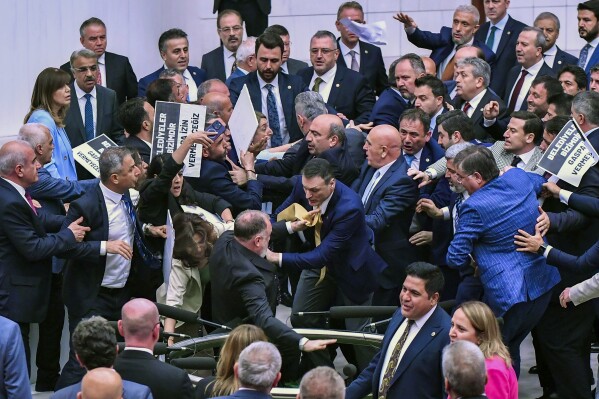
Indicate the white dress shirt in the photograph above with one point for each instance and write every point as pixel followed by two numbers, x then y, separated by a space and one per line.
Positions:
pixel 525 158
pixel 474 103
pixel 191 85
pixel 327 82
pixel 450 57
pixel 280 111
pixel 347 56
pixel 549 56
pixel 102 68
pixel 533 71
pixel 82 100
pixel 229 58
pixel 416 162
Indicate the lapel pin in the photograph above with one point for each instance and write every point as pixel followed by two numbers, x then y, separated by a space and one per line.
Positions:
pixel 559 62
pixel 337 85
pixel 194 73
pixel 482 109
pixel 509 33
pixel 365 51
pixel 433 334
pixel 289 87
pixel 428 160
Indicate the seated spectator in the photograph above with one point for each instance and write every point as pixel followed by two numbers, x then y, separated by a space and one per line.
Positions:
pixel 321 383
pixel 464 371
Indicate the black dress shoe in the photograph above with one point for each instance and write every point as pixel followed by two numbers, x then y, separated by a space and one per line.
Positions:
pixel 286 299
pixel 533 370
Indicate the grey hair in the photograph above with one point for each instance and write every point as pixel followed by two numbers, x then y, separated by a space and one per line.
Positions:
pixel 480 68
pixel 204 87
pixel 310 104
pixel 10 159
pixel 337 131
pixel 464 368
pixel 321 34
pixel 33 133
pixel 587 104
pixel 469 9
pixel 258 366
pixel 169 73
pixel 246 49
pixel 82 53
pixel 548 15
pixel 540 40
pixel 111 161
pixel 322 383
pixel 453 150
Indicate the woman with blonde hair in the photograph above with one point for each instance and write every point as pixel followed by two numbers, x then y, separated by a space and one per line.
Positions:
pixel 225 383
pixel 49 105
pixel 475 322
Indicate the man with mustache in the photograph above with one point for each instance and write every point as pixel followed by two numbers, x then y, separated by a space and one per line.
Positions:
pixel 445 43
pixel 220 63
pixel 588 29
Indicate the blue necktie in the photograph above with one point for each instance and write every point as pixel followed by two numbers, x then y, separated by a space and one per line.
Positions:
pixel 148 257
pixel 273 117
pixel 409 159
pixel 584 54
pixel 491 38
pixel 89 118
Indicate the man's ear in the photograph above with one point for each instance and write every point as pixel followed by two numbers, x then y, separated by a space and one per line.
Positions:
pixel 277 379
pixel 121 329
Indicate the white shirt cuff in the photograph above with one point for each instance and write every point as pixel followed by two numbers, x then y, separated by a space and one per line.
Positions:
pixel 433 173
pixel 289 229
pixel 409 31
pixel 280 259
pixel 103 248
pixel 564 196
pixel 446 214
pixel 546 253
pixel 489 122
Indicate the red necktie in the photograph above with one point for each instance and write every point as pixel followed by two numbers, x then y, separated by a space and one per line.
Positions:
pixel 467 106
pixel 99 77
pixel 517 90
pixel 30 200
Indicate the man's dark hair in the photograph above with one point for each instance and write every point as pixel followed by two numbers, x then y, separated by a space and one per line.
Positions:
pixel 532 123
pixel 562 103
pixel 594 69
pixel 436 85
pixel 456 121
pixel 580 76
pixel 90 21
pixel 318 167
pixel 249 223
pixel 174 33
pixel 415 62
pixel 277 30
pixel 132 114
pixel 416 114
pixel 111 161
pixel 270 40
pixel 325 34
pixel 226 12
pixel 591 5
pixel 94 341
pixel 349 4
pixel 477 159
pixel 554 125
pixel 160 90
pixel 431 274
pixel 551 84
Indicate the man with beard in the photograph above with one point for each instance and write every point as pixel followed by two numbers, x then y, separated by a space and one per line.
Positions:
pixel 542 89
pixel 445 44
pixel 430 94
pixel 220 63
pixel 588 28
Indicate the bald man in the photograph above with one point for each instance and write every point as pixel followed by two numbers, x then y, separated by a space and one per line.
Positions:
pixel 211 86
pixel 101 383
pixel 389 196
pixel 218 105
pixel 140 326
pixel 429 65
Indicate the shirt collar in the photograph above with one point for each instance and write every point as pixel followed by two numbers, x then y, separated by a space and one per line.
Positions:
pixel 476 99
pixel 533 70
pixel 329 75
pixel 275 81
pixel 527 156
pixel 595 42
pixel 385 168
pixel 80 93
pixel 131 348
pixel 551 51
pixel 109 194
pixel 422 321
pixel 102 59
pixel 17 187
pixel 345 50
pixel 434 118
pixel 325 204
pixel 227 52
pixel 501 24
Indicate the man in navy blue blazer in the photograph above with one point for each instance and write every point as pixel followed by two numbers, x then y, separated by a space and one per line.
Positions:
pixel 174 51
pixel 555 57
pixel 389 196
pixel 424 328
pixel 347 91
pixel 588 25
pixel 14 381
pixel 417 147
pixel 366 58
pixel 445 43
pixel 517 286
pixel 268 79
pixel 430 95
pixel 500 34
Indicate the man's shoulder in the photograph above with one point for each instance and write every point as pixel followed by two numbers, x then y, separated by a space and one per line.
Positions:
pixel 105 92
pixel 371 49
pixel 295 80
pixel 113 57
pixel 214 53
pixel 69 392
pixel 152 76
pixel 514 24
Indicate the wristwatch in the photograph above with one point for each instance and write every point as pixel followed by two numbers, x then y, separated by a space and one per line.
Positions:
pixel 429 174
pixel 542 248
pixel 302 343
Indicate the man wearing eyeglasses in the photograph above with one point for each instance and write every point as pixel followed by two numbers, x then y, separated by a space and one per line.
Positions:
pixel 347 91
pixel 180 89
pixel 94 112
pixel 220 62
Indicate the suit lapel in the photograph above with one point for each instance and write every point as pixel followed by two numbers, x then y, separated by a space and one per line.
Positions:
pixel 77 114
pixel 326 217
pixel 102 207
pixel 256 92
pixel 336 87
pixel 383 180
pixel 99 110
pixel 477 115
pixel 286 98
pixel 505 36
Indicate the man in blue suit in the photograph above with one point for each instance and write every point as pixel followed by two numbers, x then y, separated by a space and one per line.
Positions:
pixel 389 196
pixel 272 92
pixel 14 379
pixel 174 51
pixel 555 57
pixel 445 43
pixel 517 286
pixel 409 362
pixel 588 28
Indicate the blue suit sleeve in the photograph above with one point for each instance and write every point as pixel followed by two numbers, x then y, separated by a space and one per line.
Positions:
pixel 397 199
pixel 586 263
pixel 585 204
pixel 469 228
pixel 362 385
pixel 50 188
pixel 16 379
pixel 429 40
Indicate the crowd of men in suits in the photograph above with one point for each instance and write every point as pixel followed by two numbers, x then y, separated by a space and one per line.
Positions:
pixel 388 193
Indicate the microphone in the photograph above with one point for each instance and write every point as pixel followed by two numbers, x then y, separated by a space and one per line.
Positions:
pixel 185 316
pixel 195 363
pixel 323 313
pixel 173 334
pixel 373 326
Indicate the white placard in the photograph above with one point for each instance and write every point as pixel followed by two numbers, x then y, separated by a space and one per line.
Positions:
pixel 88 154
pixel 243 122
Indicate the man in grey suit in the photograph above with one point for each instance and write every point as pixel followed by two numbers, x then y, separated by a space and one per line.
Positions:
pixel 290 66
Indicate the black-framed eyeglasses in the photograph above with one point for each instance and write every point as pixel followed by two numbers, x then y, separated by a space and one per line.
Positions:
pixel 92 68
pixel 229 29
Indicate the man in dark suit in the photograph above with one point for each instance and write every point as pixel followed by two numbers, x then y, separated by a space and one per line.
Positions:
pixel 588 28
pixel 290 66
pixel 114 71
pixel 347 91
pixel 500 34
pixel 237 267
pixel 272 93
pixel 15 381
pixel 140 325
pixel 555 57
pixel 417 147
pixel 220 63
pixel 389 196
pixel 94 341
pixel 254 12
pixel 137 118
pixel 394 100
pixel 445 43
pixel 356 54
pixel 174 51
pixel 430 94
pixel 27 245
pixel 409 362
pixel 517 286
pixel 464 370
pixel 341 242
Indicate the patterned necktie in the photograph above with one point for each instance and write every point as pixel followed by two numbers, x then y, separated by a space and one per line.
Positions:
pixel 234 66
pixel 317 83
pixel 273 117
pixel 516 161
pixel 89 118
pixel 584 54
pixel 458 204
pixel 491 38
pixel 30 201
pixel 354 61
pixel 148 257
pixel 394 361
pixel 99 77
pixel 516 92
pixel 370 187
pixel 466 108
pixel 409 159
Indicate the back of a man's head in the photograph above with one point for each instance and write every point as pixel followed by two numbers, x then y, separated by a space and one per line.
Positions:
pixel 139 322
pixel 101 383
pixel 464 369
pixel 258 366
pixel 321 383
pixel 94 343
